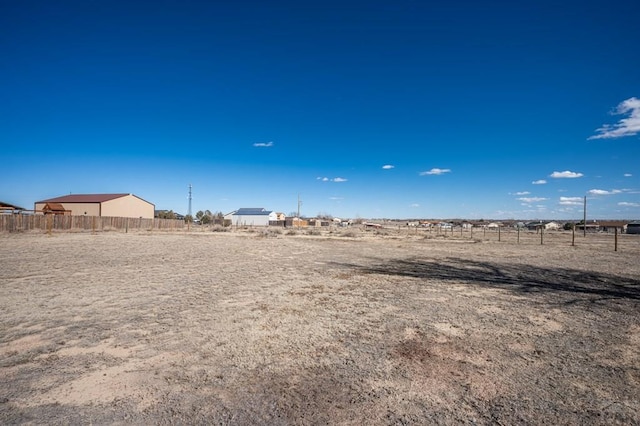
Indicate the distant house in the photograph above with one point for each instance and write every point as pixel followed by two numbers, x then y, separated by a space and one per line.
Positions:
pixel 281 216
pixel 113 205
pixel 368 225
pixel 547 226
pixel 633 227
pixel 55 208
pixel 6 208
pixel 611 225
pixel 251 217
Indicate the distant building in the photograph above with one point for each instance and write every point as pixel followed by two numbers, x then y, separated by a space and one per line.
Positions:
pixel 547 226
pixel 111 205
pixel 633 227
pixel 6 208
pixel 251 217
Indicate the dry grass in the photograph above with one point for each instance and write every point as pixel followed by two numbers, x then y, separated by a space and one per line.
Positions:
pixel 371 328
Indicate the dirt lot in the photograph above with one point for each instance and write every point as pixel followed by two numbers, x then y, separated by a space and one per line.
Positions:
pixel 271 328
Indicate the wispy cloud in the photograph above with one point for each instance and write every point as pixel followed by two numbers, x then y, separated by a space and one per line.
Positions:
pixel 263 144
pixel 628 126
pixel 388 167
pixel 336 198
pixel 604 192
pixel 627 204
pixel 565 175
pixel 435 171
pixel 326 179
pixel 523 193
pixel 539 182
pixel 414 205
pixel 532 199
pixel 571 201
pixel 628 175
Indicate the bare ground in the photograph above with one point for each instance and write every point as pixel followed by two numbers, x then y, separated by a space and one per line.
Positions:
pixel 268 328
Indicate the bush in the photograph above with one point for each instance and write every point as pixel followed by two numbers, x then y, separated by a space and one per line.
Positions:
pixel 349 234
pixel 269 233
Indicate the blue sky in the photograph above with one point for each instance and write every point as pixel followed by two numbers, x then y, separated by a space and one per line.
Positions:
pixel 373 109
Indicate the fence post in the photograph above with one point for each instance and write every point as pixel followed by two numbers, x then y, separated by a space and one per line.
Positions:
pixel 518 234
pixel 499 233
pixel 616 240
pixel 573 235
pixel 541 234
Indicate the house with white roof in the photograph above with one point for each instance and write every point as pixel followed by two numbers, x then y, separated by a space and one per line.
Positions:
pixel 251 217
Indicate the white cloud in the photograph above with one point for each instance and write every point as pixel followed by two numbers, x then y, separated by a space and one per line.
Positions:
pixel 539 182
pixel 263 144
pixel 628 126
pixel 626 204
pixel 388 167
pixel 628 175
pixel 326 179
pixel 435 171
pixel 566 174
pixel 604 192
pixel 336 198
pixel 531 199
pixel 571 201
pixel 523 193
pixel 415 205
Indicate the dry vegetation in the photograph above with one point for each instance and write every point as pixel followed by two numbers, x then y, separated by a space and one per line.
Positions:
pixel 282 327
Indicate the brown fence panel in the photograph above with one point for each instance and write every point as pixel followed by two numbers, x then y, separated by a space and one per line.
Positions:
pixel 30 222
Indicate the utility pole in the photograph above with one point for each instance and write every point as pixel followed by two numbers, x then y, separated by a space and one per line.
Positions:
pixel 584 218
pixel 189 211
pixel 299 204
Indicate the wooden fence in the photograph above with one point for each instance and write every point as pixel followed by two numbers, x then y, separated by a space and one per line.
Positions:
pixel 48 223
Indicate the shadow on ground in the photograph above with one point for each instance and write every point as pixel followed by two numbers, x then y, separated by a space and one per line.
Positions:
pixel 525 279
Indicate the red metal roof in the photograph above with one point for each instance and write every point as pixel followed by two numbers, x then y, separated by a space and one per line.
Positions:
pixel 83 198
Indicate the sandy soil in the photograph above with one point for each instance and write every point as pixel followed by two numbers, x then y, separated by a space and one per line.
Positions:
pixel 270 328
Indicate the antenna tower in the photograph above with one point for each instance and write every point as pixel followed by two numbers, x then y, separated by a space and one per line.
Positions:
pixel 189 211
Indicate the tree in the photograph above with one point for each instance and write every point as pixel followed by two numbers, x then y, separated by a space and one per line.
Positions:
pixel 206 218
pixel 188 219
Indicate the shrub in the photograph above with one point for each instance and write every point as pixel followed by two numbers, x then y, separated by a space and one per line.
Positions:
pixel 349 234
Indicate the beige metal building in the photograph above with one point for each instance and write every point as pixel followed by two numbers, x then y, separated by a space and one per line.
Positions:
pixel 113 205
